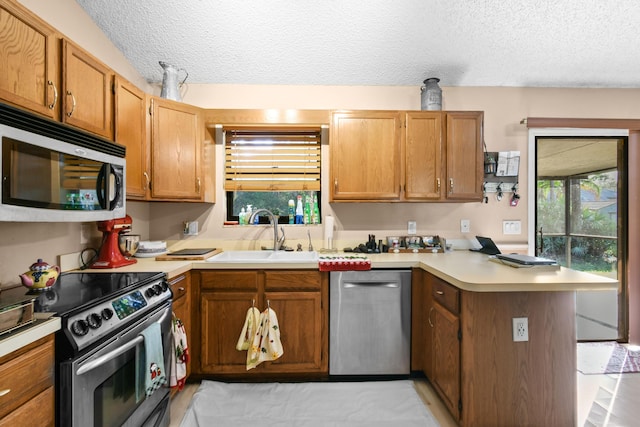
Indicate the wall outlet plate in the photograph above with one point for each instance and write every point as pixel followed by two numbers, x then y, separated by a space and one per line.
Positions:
pixel 465 226
pixel 520 329
pixel 411 227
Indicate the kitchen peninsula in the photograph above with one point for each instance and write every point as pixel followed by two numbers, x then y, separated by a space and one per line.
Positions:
pixel 462 309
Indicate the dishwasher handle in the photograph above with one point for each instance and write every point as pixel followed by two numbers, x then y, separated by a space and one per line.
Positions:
pixel 370 284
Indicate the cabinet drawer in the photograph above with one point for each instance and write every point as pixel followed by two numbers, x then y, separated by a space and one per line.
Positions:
pixel 292 280
pixel 180 286
pixel 446 295
pixel 230 280
pixel 26 376
pixel 37 412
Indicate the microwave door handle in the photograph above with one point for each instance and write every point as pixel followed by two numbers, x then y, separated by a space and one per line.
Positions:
pixel 101 186
pixel 116 197
pixel 96 363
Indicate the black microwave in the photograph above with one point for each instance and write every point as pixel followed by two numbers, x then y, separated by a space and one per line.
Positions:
pixel 54 173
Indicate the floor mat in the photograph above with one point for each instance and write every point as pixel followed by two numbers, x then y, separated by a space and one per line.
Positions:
pixel 353 404
pixel 607 358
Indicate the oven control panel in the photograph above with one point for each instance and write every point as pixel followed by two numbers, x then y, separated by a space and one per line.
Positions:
pixel 92 324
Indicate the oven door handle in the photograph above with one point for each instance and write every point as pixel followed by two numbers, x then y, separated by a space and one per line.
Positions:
pixel 99 361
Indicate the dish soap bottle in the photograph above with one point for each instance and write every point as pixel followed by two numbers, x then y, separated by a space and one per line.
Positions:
pixel 299 211
pixel 292 211
pixel 242 217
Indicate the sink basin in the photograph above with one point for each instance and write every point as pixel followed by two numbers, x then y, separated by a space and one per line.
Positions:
pixel 264 257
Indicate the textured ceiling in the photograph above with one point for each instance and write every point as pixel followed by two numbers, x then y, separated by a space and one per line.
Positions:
pixel 548 43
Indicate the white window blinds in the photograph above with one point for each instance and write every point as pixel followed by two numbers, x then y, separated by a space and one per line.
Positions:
pixel 272 159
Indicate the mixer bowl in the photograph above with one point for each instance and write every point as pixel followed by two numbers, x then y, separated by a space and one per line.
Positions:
pixel 128 244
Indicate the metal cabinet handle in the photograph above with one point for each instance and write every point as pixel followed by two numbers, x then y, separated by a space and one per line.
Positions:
pixel 429 317
pixel 55 95
pixel 146 184
pixel 73 103
pixel 450 185
pixel 5 392
pixel 177 279
pixel 438 184
pixel 181 289
pixel 198 185
pixel 440 292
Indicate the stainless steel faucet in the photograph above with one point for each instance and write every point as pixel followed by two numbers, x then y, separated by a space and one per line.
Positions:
pixel 272 217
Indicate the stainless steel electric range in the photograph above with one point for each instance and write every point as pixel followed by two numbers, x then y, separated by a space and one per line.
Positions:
pixel 98 349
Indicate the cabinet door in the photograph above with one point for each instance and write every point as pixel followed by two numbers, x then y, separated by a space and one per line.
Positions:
pixel 131 131
pixel 365 156
pixel 464 155
pixel 29 74
pixel 222 316
pixel 176 141
pixel 423 156
pixel 181 288
pixel 446 357
pixel 87 87
pixel 301 331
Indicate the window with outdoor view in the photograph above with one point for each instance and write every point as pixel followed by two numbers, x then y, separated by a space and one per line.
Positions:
pixel 273 168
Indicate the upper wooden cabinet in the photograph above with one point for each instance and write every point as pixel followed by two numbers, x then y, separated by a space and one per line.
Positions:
pixel 131 131
pixel 87 91
pixel 29 76
pixel 403 156
pixel 465 160
pixel 365 156
pixel 177 135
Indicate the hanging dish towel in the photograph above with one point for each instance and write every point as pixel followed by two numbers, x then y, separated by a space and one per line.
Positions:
pixel 266 343
pixel 153 361
pixel 179 355
pixel 249 329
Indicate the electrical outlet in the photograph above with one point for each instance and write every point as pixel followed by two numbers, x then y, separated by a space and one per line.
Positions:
pixel 411 227
pixel 465 226
pixel 520 329
pixel 511 227
pixel 85 232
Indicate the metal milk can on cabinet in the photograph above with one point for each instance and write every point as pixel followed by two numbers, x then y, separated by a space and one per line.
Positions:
pixel 431 95
pixel 170 85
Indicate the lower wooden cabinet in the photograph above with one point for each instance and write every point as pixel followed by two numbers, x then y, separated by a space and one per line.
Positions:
pixel 462 341
pixel 298 299
pixel 27 385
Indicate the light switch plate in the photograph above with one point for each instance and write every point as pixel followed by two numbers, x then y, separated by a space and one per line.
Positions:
pixel 411 227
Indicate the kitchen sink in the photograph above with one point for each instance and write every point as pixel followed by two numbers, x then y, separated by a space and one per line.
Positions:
pixel 264 257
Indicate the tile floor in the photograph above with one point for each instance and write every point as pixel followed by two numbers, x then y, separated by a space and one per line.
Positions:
pixel 607 400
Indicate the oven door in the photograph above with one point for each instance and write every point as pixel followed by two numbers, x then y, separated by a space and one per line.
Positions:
pixel 102 387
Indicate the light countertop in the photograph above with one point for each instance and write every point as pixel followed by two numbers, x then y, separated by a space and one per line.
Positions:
pixel 466 270
pixel 20 337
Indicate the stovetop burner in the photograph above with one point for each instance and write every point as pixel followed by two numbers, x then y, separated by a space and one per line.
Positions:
pixel 78 290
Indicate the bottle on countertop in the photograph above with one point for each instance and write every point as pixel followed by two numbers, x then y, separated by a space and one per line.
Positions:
pixel 256 220
pixel 242 217
pixel 315 217
pixel 292 211
pixel 248 214
pixel 299 211
pixel 307 210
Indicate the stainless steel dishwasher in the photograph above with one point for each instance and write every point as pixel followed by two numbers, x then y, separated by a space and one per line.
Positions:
pixel 370 322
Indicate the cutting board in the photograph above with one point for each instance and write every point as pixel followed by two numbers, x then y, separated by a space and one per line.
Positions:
pixel 189 254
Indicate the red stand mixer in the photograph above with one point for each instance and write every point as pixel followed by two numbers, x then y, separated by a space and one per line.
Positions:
pixel 110 255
